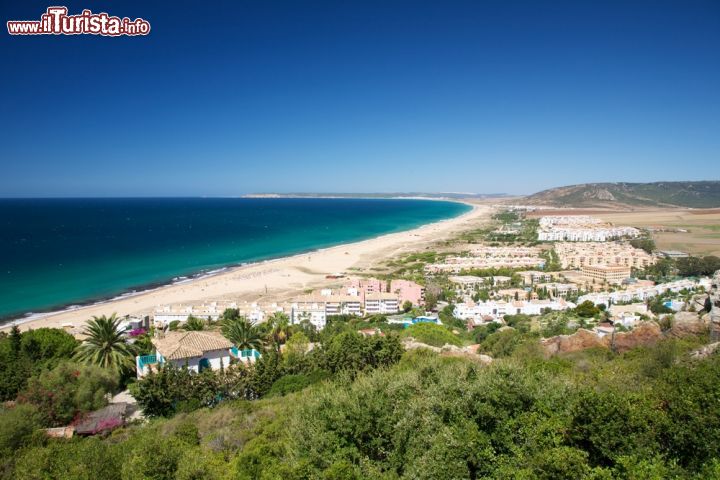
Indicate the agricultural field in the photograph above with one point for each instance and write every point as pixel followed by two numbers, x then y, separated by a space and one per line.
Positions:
pixel 702 225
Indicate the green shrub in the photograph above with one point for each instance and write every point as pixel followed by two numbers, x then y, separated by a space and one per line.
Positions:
pixel 293 383
pixel 432 334
pixel 17 426
pixel 67 390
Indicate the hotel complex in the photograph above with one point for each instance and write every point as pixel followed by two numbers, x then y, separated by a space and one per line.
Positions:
pixel 482 257
pixel 578 255
pixel 611 274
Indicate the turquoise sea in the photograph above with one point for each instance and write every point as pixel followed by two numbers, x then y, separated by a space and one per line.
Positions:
pixel 60 252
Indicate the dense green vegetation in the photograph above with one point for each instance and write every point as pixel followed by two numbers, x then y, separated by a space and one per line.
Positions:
pixel 644 243
pixel 650 413
pixel 666 269
pixel 25 355
pixel 432 334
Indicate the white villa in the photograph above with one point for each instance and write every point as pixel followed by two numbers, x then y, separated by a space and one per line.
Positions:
pixel 197 350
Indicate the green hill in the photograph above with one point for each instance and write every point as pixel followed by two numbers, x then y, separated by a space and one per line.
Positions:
pixel 702 194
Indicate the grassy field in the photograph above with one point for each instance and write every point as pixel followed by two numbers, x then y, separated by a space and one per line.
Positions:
pixel 703 228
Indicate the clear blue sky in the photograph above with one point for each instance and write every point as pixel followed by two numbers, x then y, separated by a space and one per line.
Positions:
pixel 365 96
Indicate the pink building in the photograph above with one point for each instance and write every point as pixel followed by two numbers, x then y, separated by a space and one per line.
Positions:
pixel 408 291
pixel 367 285
pixel 404 289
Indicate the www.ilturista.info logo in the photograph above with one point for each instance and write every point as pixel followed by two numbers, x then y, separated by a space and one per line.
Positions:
pixel 56 21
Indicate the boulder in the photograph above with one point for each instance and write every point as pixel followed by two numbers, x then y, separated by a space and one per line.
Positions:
pixel 580 340
pixel 687 323
pixel 645 333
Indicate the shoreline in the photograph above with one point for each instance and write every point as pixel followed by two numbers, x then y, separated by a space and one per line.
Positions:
pixel 129 303
pixel 129 292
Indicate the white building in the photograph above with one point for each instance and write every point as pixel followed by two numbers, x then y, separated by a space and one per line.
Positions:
pixel 634 294
pixel 483 312
pixel 469 283
pixel 310 310
pixel 256 313
pixel 580 228
pixel 381 303
pixel 558 289
pixel 197 350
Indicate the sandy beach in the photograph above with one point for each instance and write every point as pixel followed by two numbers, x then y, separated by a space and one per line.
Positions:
pixel 274 280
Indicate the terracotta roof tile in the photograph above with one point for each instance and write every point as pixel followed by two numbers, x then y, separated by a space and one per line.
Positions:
pixel 179 345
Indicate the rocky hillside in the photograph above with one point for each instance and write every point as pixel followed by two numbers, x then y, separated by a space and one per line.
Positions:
pixel 703 194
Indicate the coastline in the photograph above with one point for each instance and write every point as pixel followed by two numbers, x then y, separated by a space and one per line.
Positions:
pixel 282 277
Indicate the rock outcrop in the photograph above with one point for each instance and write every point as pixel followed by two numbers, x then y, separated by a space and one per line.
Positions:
pixel 687 323
pixel 580 340
pixel 645 333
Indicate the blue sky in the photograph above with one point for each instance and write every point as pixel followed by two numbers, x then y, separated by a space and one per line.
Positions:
pixel 366 96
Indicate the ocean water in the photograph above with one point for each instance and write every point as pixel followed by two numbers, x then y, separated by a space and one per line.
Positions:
pixel 60 252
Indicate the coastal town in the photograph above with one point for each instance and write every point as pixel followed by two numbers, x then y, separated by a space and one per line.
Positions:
pixel 500 273
pixel 360 241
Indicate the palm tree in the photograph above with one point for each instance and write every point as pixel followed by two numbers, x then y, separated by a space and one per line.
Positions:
pixel 194 324
pixel 105 345
pixel 279 329
pixel 243 334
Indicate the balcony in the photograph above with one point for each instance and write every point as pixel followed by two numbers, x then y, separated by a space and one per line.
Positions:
pixel 250 354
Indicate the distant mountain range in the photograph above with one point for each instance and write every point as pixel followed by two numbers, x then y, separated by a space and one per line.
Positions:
pixel 702 194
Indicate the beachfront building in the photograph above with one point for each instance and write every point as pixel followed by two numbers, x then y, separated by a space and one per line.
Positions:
pixel 366 285
pixel 166 314
pixel 611 274
pixel 381 303
pixel 404 290
pixel 343 305
pixel 196 350
pixel 130 324
pixel 256 313
pixel 408 291
pixel 493 311
pixel 310 309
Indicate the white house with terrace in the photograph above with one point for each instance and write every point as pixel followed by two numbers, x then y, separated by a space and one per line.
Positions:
pixel 196 350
